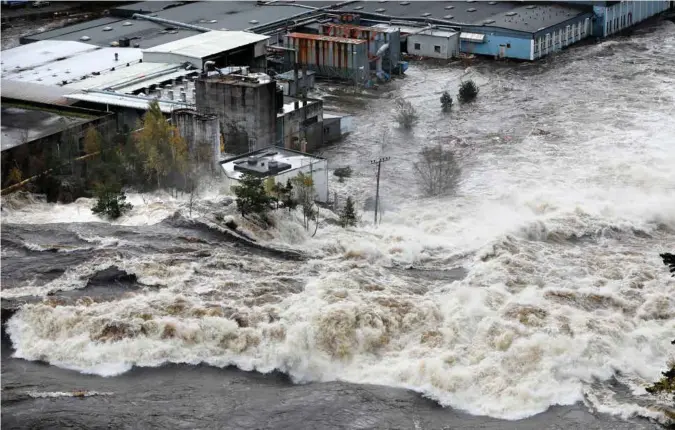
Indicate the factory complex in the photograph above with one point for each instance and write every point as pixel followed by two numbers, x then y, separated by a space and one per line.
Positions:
pixel 236 75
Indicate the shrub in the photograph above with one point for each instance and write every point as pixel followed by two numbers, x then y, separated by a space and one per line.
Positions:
pixel 446 100
pixel 468 91
pixel 342 173
pixel 406 114
pixel 111 202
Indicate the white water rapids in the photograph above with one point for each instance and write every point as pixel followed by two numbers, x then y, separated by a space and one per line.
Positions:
pixel 560 232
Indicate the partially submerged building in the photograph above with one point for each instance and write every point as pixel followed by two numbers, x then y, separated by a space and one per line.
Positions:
pixel 278 165
pixel 34 133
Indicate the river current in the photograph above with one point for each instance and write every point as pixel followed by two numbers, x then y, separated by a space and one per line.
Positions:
pixel 536 286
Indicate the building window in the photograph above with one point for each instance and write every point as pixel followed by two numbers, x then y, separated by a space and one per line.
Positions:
pixel 437 49
pixel 609 27
pixel 508 45
pixel 417 47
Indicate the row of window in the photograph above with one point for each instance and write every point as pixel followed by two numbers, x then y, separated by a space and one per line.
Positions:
pixel 626 20
pixel 418 47
pixel 561 36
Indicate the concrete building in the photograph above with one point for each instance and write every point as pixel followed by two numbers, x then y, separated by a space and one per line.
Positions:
pixel 34 132
pixel 246 107
pixel 277 165
pixel 201 132
pixel 300 124
pixel 224 48
pixel 429 43
pixel 306 80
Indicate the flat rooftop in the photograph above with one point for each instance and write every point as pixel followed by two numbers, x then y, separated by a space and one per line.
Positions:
pixel 207 44
pixel 287 158
pixel 21 124
pixel 216 15
pixel 52 62
pixel 510 15
pixel 455 11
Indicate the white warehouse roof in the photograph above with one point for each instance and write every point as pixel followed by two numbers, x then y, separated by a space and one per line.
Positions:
pixel 135 76
pixel 24 57
pixel 71 66
pixel 127 101
pixel 291 159
pixel 202 45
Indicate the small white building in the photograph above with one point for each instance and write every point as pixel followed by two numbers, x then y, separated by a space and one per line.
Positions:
pixel 278 165
pixel 429 43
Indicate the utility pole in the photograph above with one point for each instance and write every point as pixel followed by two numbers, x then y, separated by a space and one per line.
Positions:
pixel 377 192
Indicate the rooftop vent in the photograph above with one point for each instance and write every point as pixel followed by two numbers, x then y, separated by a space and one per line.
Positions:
pixel 449 7
pixel 85 38
pixel 404 3
pixel 531 6
pixel 252 161
pixel 425 14
pixel 511 13
pixel 127 24
pixel 448 16
pixel 273 164
pixel 492 2
pixel 380 10
pixel 382 1
pixel 107 28
pixel 488 21
pixel 213 21
pixel 358 7
pixel 471 9
pixel 253 21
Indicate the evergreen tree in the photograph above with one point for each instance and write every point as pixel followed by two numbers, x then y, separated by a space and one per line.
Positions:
pixel 348 214
pixel 468 91
pixel 251 196
pixel 111 201
pixel 288 200
pixel 446 100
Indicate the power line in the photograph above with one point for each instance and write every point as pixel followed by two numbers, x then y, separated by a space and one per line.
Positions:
pixel 377 192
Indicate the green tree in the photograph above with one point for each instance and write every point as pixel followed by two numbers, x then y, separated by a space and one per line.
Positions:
pixel 161 147
pixel 468 91
pixel 304 186
pixel 348 214
pixel 251 196
pixel 288 200
pixel 111 201
pixel 342 173
pixel 446 100
pixel 406 114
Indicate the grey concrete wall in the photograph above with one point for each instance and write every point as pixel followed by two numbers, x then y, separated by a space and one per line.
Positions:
pixel 246 111
pixel 293 126
pixel 198 129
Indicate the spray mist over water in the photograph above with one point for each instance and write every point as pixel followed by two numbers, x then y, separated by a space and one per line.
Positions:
pixel 566 200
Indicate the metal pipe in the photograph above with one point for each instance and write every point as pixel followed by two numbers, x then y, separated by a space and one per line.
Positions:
pixel 170 22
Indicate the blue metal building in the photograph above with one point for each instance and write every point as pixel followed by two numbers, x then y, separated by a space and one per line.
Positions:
pixel 612 17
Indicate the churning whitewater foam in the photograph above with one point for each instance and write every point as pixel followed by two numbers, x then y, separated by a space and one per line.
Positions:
pixel 559 231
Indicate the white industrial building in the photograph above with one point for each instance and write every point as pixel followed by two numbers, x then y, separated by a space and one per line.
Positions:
pixel 213 45
pixel 278 165
pixel 429 42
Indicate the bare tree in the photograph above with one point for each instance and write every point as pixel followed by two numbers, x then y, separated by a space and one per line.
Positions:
pixel 406 114
pixel 438 171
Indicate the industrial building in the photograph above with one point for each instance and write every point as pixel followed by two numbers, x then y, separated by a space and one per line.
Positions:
pixel 277 165
pixel 223 48
pixel 33 132
pixel 427 42
pixel 612 17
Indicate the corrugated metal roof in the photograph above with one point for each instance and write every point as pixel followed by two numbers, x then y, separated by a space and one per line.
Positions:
pixel 325 38
pixel 31 92
pixel 123 75
pixel 77 66
pixel 128 101
pixel 206 44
